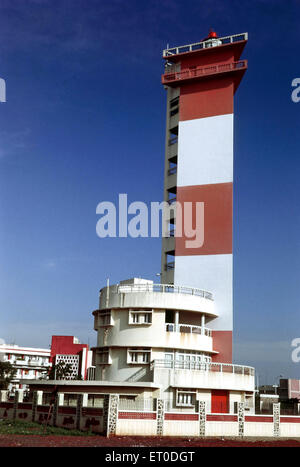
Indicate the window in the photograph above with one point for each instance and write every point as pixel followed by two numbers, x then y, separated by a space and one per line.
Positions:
pixel 105 319
pixel 138 356
pixel 103 357
pixel 140 317
pixel 185 398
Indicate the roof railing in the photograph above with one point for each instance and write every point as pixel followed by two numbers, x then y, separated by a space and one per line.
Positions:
pixel 203 71
pixel 205 44
pixel 163 288
pixel 203 366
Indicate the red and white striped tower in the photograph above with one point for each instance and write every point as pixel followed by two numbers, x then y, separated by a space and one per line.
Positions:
pixel 201 80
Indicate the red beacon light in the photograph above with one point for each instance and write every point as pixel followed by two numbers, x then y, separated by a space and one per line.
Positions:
pixel 212 39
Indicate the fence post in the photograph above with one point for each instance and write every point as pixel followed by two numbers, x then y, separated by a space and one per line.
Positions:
pixel 276 419
pixel 112 418
pixel 37 399
pixel 241 418
pixel 202 417
pixel 78 410
pixel 160 416
pixel 3 396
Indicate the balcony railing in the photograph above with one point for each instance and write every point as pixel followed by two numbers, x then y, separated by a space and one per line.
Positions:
pixel 199 72
pixel 163 288
pixel 188 329
pixel 205 44
pixel 205 367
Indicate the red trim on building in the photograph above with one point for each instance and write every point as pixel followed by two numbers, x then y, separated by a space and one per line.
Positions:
pixel 182 416
pixel 289 419
pixel 217 199
pixel 87 411
pixel 222 342
pixel 137 415
pixel 67 410
pixel 261 418
pixel 24 405
pixel 221 418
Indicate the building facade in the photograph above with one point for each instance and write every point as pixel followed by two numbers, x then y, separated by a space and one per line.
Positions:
pixel 30 363
pixel 68 349
pixel 161 334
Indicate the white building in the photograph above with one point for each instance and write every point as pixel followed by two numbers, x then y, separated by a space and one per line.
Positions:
pixel 162 334
pixel 30 363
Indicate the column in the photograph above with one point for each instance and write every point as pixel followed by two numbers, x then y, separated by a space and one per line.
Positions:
pixel 202 418
pixel 276 419
pixel 241 418
pixel 112 414
pixel 3 396
pixel 37 399
pixel 160 417
pixel 177 321
pixel 202 323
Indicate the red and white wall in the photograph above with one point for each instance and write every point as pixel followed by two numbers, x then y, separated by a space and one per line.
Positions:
pixel 205 174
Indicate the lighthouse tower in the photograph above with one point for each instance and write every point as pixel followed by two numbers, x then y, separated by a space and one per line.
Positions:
pixel 201 80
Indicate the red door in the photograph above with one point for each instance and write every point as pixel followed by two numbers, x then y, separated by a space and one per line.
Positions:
pixel 219 401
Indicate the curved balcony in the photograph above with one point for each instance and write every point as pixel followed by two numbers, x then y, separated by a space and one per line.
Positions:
pixel 157 296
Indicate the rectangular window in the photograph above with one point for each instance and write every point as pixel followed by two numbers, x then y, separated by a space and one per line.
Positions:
pixel 105 319
pixel 185 398
pixel 138 356
pixel 140 317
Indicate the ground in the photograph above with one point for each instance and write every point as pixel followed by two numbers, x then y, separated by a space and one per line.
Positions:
pixel 24 434
pixel 11 440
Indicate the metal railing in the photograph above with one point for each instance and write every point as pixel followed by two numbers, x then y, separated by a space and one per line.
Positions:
pixel 188 329
pixel 203 71
pixel 205 44
pixel 206 367
pixel 163 288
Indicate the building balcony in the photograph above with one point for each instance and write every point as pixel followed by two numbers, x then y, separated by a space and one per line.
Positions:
pixel 183 374
pixel 198 46
pixel 196 73
pixel 146 294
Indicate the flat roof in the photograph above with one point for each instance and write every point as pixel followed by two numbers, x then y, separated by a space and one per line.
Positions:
pixel 59 382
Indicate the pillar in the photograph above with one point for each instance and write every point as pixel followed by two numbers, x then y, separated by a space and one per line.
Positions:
pixel 3 396
pixel 202 418
pixel 276 419
pixel 160 417
pixel 241 418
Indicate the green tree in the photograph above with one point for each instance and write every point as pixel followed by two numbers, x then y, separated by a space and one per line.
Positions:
pixel 7 374
pixel 60 370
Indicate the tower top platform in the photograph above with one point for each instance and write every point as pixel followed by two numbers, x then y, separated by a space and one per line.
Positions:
pixel 208 43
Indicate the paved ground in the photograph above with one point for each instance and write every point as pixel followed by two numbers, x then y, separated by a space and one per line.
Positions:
pixel 130 441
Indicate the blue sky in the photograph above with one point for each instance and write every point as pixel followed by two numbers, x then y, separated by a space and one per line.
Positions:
pixel 84 121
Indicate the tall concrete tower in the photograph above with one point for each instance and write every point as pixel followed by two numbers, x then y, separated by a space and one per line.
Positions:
pixel 201 80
